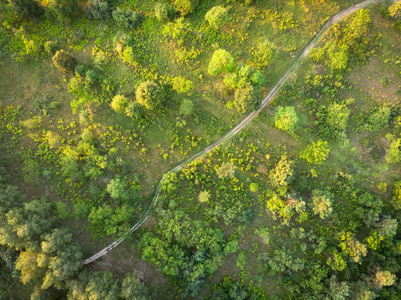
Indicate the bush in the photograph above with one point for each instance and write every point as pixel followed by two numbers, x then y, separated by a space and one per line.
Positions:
pixel 97 10
pixel 26 8
pixel 286 119
pixel 217 16
pixel 149 94
pixel 127 18
pixel 64 61
pixel 221 62
pixel 246 99
pixel 163 12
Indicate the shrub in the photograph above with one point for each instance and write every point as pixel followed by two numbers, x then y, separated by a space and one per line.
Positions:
pixel 127 18
pixel 263 54
pixel 221 62
pixel 119 103
pixel 186 107
pixel 286 119
pixel 217 16
pixel 254 187
pixel 97 10
pixel 33 123
pixel 149 94
pixel 26 8
pixel 163 12
pixel 64 61
pixel 246 99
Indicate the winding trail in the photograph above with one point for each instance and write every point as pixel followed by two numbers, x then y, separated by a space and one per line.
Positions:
pixel 336 18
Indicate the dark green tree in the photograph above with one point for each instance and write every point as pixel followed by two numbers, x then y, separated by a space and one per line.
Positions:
pixel 64 61
pixel 133 289
pixel 246 99
pixel 26 8
pixel 150 94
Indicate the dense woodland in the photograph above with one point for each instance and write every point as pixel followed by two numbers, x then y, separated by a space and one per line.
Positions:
pixel 100 100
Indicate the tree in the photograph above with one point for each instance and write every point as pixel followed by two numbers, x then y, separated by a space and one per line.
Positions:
pixel 393 153
pixel 337 117
pixel 185 7
pixel 387 226
pixel 315 153
pixel 322 203
pixel 351 246
pixel 61 257
pixel 163 12
pixel 10 197
pixel 221 62
pixel 286 119
pixel 336 262
pixel 127 18
pixel 149 94
pixel 133 110
pixel 97 10
pixel 246 99
pixel 384 278
pixel 254 187
pixel 64 61
pixel 263 54
pixel 102 285
pixel 339 290
pixel 379 118
pixel 119 103
pixel 133 289
pixel 64 8
pixel 282 174
pixel 396 200
pixel 27 264
pixel 226 169
pixel 26 8
pixel 395 9
pixel 204 196
pixel 186 107
pixel 243 76
pixel 217 16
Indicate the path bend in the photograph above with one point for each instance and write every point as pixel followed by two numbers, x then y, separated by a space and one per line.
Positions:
pixel 249 118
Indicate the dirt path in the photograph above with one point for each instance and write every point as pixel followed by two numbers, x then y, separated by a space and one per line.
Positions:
pixel 237 128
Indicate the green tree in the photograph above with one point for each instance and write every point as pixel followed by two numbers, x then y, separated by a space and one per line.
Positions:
pixel 150 94
pixel 393 153
pixel 254 187
pixel 322 203
pixel 102 285
pixel 186 7
pixel 163 12
pixel 263 54
pixel 27 264
pixel 243 76
pixel 336 262
pixel 337 117
pixel 64 8
pixel 339 290
pixel 133 110
pixel 97 10
pixel 378 119
pixel 315 153
pixel 357 27
pixel 246 99
pixel 286 119
pixel 26 8
pixel 396 200
pixel 119 103
pixel 282 173
pixel 61 257
pixel 127 18
pixel 227 169
pixel 387 226
pixel 64 61
pixel 133 289
pixel 217 16
pixel 221 62
pixel 186 107
pixel 10 197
